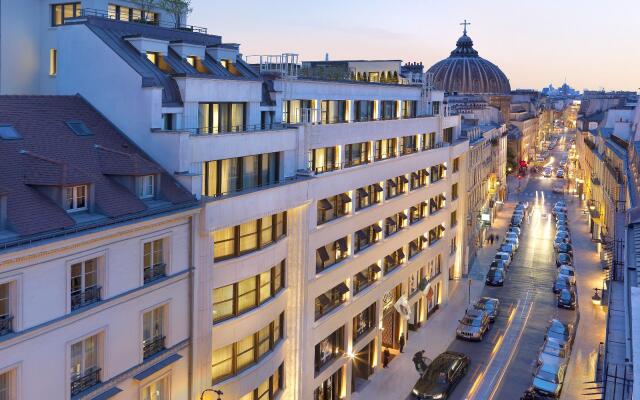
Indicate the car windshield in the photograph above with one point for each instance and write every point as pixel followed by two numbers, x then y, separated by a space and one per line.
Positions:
pixel 565 295
pixel 472 321
pixel 495 273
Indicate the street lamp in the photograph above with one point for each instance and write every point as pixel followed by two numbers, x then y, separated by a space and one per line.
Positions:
pixel 596 299
pixel 216 391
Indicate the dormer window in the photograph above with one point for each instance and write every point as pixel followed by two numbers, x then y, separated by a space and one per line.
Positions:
pixel 197 64
pixel 192 60
pixel 158 60
pixel 153 56
pixel 75 198
pixel 146 186
pixel 230 66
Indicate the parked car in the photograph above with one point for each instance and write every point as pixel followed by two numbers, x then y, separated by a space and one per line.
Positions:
pixel 473 325
pixel 563 333
pixel 558 208
pixel 516 221
pixel 548 379
pixel 567 298
pixel 442 376
pixel 489 305
pixel 563 228
pixel 513 241
pixel 565 248
pixel 563 259
pixel 558 241
pixel 559 284
pixel 562 224
pixel 552 350
pixel 560 173
pixel 563 234
pixel 547 172
pixel 495 277
pixel 508 248
pixel 499 264
pixel 506 257
pixel 562 217
pixel 524 204
pixel 515 230
pixel 512 235
pixel 567 273
pixel 561 203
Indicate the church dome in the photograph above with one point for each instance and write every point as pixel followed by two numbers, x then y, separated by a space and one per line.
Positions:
pixel 466 72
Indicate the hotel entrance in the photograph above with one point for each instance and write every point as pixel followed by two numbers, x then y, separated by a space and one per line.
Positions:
pixel 362 366
pixel 391 318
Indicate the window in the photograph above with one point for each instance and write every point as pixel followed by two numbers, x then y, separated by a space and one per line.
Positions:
pixel 417 212
pixel 61 12
pixel 154 266
pixel 297 111
pixel 230 175
pixel 85 371
pixel 436 234
pixel 9 132
pixel 356 154
pixel 333 207
pixel 364 322
pixel 393 260
pixel 329 349
pixel 79 128
pixel 232 300
pixel 396 186
pixel 269 388
pixel 236 357
pixel 157 390
pixel 454 218
pixel 333 111
pixel 456 164
pixel 409 108
pixel 364 110
pixel 75 198
pixel 366 237
pixel 146 186
pixel 409 144
pixel 153 332
pixel 8 385
pixel 368 196
pixel 437 172
pixel 324 159
pixel 84 283
pixel 454 191
pixel 330 389
pixel 447 134
pixel 386 148
pixel 416 246
pixel 123 13
pixel 365 278
pixel 6 316
pixel 153 57
pixel 428 141
pixel 437 203
pixel 389 109
pixel 331 254
pixel 330 300
pixel 53 62
pixel 250 236
pixel 215 118
pixel 419 179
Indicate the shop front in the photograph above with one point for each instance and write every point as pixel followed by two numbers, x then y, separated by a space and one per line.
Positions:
pixel 331 388
pixel 391 319
pixel 362 365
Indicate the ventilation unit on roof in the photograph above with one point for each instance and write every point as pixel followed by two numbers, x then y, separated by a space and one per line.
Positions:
pixel 8 132
pixel 79 128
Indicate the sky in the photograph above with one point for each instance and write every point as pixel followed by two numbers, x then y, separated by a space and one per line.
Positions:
pixel 593 44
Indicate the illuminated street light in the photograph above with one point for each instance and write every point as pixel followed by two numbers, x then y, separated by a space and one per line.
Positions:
pixel 596 299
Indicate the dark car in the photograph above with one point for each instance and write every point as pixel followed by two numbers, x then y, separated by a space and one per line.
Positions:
pixel 567 299
pixel 495 277
pixel 565 248
pixel 499 264
pixel 563 259
pixel 441 376
pixel 490 305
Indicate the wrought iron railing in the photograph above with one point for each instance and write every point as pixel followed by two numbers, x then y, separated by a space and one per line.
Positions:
pixel 154 272
pixel 80 383
pixel 85 297
pixel 153 346
pixel 6 324
pixel 216 130
pixel 93 12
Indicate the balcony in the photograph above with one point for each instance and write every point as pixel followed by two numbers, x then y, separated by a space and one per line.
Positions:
pixel 6 324
pixel 92 12
pixel 153 346
pixel 155 272
pixel 81 383
pixel 85 297
pixel 213 131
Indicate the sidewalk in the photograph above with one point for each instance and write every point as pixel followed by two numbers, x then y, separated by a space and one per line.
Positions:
pixel 592 325
pixel 396 381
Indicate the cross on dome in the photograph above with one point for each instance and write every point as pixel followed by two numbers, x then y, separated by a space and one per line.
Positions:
pixel 465 23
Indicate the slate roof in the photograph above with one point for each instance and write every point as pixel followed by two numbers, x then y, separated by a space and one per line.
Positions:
pixel 51 154
pixel 114 33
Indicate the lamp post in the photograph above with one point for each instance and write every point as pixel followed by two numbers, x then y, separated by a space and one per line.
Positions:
pixel 216 391
pixel 596 299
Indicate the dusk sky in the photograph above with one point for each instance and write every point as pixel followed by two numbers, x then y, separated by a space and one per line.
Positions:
pixel 593 43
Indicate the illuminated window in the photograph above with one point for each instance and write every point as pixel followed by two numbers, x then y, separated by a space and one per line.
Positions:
pixel 75 198
pixel 156 390
pixel 153 57
pixel 53 62
pixel 192 60
pixel 61 12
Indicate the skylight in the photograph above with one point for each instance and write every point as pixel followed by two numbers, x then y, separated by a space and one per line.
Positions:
pixel 8 132
pixel 79 128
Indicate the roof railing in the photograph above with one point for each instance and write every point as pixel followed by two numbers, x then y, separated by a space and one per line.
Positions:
pixel 93 12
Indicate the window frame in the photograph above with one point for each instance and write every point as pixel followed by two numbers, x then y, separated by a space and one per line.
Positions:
pixel 77 12
pixel 275 232
pixel 74 198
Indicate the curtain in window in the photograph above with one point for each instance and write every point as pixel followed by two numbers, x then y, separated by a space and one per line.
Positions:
pixel 222 302
pixel 222 362
pixel 244 352
pixel 246 294
pixel 223 242
pixel 248 236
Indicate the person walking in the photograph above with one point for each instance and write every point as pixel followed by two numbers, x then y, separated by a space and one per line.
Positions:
pixel 385 358
pixel 491 239
pixel 402 343
pixel 497 238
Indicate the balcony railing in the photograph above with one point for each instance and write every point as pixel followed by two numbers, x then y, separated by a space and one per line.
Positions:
pixel 6 324
pixel 92 12
pixel 213 130
pixel 367 119
pixel 155 272
pixel 85 297
pixel 153 346
pixel 80 383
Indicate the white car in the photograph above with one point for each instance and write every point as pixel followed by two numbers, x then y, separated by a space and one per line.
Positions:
pixel 568 273
pixel 547 172
pixel 513 240
pixel 506 257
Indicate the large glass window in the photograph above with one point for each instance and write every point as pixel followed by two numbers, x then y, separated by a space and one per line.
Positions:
pixel 84 364
pixel 365 278
pixel 324 159
pixel 269 388
pixel 331 254
pixel 61 12
pixel 386 148
pixel 396 186
pixel 8 385
pixel 75 198
pixel 250 236
pixel 333 111
pixel 409 144
pixel 329 349
pixel 366 237
pixel 234 358
pixel 5 310
pixel 333 207
pixel 364 110
pixel 153 331
pixel 297 111
pixel 408 108
pixel 389 109
pixel 123 13
pixel 235 299
pixel 154 266
pixel 393 260
pixel 215 118
pixel 368 196
pixel 84 283
pixel 364 322
pixel 356 154
pixel 230 175
pixel 330 389
pixel 157 390
pixel 330 300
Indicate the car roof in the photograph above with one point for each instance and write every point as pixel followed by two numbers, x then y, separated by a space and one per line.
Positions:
pixel 474 313
pixel 487 300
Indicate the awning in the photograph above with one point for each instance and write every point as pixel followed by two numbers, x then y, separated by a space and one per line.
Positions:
pixel 324 204
pixel 362 193
pixel 345 198
pixel 415 175
pixel 390 221
pixel 402 216
pixel 377 187
pixel 324 300
pixel 323 253
pixel 342 244
pixel 403 179
pixel 362 235
pixel 424 171
pixel 376 228
pixel 389 259
pixel 342 288
pixel 414 246
pixel 157 367
pixel 391 183
pixel 361 277
pixel 400 254
pixel 375 268
pixel 424 237
pixel 444 167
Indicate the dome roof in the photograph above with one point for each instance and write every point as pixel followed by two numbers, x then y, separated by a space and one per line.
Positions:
pixel 466 72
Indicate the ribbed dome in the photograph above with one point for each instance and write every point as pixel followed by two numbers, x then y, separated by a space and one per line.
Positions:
pixel 466 72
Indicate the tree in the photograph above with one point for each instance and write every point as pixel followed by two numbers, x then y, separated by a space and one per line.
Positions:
pixel 145 5
pixel 178 8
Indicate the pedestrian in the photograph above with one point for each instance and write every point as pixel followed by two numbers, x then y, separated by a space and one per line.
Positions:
pixel 419 362
pixel 497 238
pixel 402 343
pixel 491 239
pixel 385 358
